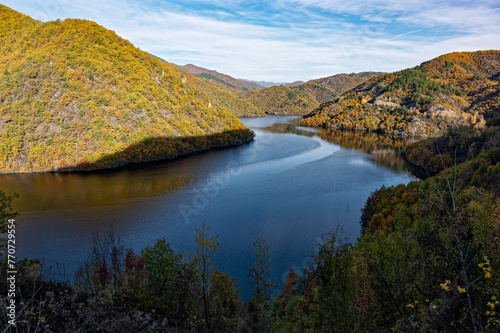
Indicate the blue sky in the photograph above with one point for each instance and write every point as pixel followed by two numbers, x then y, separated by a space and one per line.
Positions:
pixel 288 40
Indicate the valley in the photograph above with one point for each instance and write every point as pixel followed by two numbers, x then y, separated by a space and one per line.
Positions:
pixel 145 196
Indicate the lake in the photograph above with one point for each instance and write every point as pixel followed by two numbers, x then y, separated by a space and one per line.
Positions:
pixel 289 186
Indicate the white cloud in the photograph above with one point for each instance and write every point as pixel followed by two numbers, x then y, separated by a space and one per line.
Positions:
pixel 290 39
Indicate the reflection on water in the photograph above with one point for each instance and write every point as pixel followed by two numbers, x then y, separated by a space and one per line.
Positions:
pixel 385 149
pixel 287 188
pixel 68 190
pixel 71 190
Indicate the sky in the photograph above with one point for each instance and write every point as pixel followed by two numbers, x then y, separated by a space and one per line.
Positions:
pixel 288 40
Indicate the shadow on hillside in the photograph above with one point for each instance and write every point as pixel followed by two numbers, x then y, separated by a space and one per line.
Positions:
pixel 163 148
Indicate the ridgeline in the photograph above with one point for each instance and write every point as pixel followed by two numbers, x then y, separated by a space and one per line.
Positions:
pixel 302 98
pixel 76 96
pixel 452 90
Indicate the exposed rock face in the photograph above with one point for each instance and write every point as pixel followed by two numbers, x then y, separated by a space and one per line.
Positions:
pixel 441 111
pixel 455 89
pixel 383 100
pixel 445 98
pixel 335 108
pixel 417 126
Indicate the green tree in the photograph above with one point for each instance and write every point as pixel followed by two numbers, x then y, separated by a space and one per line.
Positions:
pixel 227 304
pixel 162 264
pixel 6 213
pixel 335 286
pixel 6 210
pixel 260 271
pixel 205 262
pixel 259 276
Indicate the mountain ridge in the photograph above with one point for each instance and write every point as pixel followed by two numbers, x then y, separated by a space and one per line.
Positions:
pixel 73 93
pixel 220 80
pixel 293 98
pixel 454 89
pixel 303 98
pixel 221 96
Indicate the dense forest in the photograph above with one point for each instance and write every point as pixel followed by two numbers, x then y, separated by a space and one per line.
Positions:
pixel 75 96
pixel 428 259
pixel 297 98
pixel 302 98
pixel 220 80
pixel 222 94
pixel 455 89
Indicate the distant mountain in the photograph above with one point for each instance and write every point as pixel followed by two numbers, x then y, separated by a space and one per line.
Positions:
pixel 75 96
pixel 257 100
pixel 294 84
pixel 222 81
pixel 266 84
pixel 263 84
pixel 237 106
pixel 341 83
pixel 460 88
pixel 299 99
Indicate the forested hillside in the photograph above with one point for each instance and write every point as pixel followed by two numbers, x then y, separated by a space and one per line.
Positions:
pixel 302 98
pixel 341 83
pixel 429 256
pixel 75 96
pixel 454 89
pixel 222 81
pixel 428 259
pixel 222 96
pixel 295 98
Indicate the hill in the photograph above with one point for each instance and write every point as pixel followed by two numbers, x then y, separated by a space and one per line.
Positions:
pixel 76 96
pixel 454 89
pixel 220 91
pixel 294 84
pixel 267 84
pixel 222 96
pixel 341 83
pixel 296 98
pixel 222 81
pixel 299 99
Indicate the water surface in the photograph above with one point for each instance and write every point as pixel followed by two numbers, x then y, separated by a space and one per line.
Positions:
pixel 289 186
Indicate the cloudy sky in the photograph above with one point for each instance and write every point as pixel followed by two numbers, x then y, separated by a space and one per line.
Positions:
pixel 288 40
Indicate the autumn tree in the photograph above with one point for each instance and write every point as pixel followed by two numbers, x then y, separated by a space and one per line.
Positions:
pixel 104 259
pixel 227 303
pixel 290 284
pixel 259 276
pixel 284 299
pixel 112 269
pixel 6 211
pixel 205 262
pixel 260 271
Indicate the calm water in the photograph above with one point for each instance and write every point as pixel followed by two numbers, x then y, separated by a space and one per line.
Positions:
pixel 289 187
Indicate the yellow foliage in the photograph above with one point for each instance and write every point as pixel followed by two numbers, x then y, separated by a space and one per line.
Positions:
pixel 91 88
pixel 401 97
